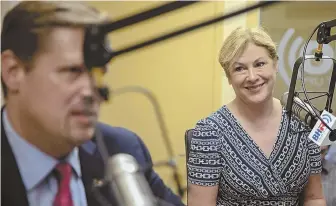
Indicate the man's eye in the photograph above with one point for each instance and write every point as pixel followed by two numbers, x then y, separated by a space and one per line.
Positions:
pixel 73 73
pixel 75 70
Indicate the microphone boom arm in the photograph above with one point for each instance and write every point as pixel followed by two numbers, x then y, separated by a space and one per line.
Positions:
pixel 97 51
pixel 323 33
pixel 324 37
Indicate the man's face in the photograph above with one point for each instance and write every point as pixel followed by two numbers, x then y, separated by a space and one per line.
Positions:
pixel 58 91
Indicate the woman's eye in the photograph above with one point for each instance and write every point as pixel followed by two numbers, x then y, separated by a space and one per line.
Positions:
pixel 260 64
pixel 238 69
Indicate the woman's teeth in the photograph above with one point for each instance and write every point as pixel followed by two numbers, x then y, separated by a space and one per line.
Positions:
pixel 255 87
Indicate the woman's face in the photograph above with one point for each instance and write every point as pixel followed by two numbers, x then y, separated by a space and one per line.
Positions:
pixel 253 75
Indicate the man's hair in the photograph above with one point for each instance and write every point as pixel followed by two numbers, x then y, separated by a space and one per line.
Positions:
pixel 26 25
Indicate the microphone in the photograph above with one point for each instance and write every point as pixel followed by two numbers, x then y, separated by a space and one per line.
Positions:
pixel 301 109
pixel 320 134
pixel 127 181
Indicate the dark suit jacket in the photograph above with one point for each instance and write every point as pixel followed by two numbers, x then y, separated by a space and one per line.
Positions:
pixel 117 140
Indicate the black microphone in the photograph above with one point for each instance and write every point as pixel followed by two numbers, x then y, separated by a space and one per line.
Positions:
pixel 301 109
pixel 319 133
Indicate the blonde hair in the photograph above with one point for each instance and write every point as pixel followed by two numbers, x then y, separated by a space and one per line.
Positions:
pixel 26 26
pixel 235 44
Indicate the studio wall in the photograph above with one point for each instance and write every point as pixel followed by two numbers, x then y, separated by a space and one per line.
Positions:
pixel 183 73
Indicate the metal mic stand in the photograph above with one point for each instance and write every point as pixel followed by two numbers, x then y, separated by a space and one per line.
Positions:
pixel 292 93
pixel 163 128
pixel 323 37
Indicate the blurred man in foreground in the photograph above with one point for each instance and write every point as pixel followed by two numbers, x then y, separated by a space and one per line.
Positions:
pixel 51 109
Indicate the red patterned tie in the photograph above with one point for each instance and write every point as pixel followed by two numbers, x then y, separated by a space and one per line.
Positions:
pixel 63 197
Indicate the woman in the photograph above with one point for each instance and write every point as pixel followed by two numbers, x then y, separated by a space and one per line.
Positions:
pixel 242 153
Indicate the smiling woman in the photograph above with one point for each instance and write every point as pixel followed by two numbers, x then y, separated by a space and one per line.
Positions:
pixel 241 154
pixel 252 76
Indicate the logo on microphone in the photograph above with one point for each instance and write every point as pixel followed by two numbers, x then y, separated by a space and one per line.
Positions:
pixel 322 127
pixel 288 56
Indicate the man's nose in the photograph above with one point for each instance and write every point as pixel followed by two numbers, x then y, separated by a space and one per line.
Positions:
pixel 87 92
pixel 87 86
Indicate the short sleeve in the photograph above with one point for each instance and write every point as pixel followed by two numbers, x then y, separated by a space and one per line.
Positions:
pixel 315 157
pixel 204 163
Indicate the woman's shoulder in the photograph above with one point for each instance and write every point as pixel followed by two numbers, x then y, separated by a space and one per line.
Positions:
pixel 214 121
pixel 216 116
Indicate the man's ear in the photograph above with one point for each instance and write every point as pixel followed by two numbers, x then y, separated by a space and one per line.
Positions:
pixel 12 71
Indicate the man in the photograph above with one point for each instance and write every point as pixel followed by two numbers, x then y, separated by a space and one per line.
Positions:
pixel 48 156
pixel 329 174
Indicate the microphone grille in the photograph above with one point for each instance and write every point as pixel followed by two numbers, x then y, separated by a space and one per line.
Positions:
pixel 122 163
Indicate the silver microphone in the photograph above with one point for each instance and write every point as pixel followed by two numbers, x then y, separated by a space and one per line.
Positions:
pixel 301 109
pixel 127 182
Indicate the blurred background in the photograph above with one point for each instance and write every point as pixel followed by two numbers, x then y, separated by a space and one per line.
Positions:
pixel 184 74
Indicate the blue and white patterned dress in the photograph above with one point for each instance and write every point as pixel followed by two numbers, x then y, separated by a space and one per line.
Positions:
pixel 222 153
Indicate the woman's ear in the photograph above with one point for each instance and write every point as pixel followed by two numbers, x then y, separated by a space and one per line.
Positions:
pixel 229 80
pixel 12 71
pixel 227 76
pixel 276 65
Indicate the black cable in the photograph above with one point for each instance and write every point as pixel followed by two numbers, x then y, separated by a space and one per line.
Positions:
pixel 305 91
pixel 302 79
pixel 191 28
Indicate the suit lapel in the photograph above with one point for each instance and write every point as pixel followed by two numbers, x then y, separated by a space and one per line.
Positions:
pixel 13 190
pixel 93 170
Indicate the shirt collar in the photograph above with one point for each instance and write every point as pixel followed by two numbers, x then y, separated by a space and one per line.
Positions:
pixel 34 165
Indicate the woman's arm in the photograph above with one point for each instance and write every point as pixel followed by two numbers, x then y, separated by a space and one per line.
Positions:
pixel 314 192
pixel 204 165
pixel 202 195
